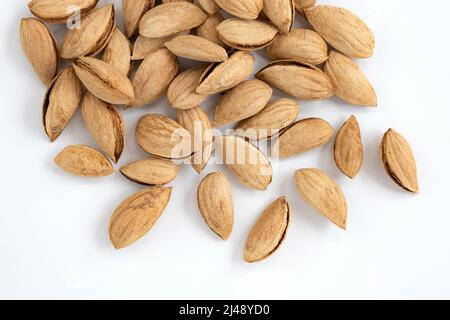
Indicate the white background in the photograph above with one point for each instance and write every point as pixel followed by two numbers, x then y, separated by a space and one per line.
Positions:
pixel 53 227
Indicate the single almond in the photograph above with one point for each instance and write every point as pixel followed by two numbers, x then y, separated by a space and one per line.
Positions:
pixel 40 49
pixel 181 93
pixel 196 121
pixel 151 171
pixel 220 77
pixel 136 215
pixel 350 83
pixel 242 102
pixel 84 161
pixel 215 202
pixel 163 137
pixel 208 29
pixel 93 35
pixel 59 11
pixel 60 103
pixel 153 77
pixel 245 9
pixel 170 18
pixel 268 232
pixel 246 34
pixel 298 79
pixel 348 148
pixel 343 30
pixel 302 136
pixel 269 121
pixel 144 46
pixel 133 10
pixel 104 81
pixel 281 13
pixel 196 48
pixel 250 166
pixel 209 6
pixel 105 125
pixel 299 44
pixel 323 194
pixel 118 52
pixel 301 5
pixel 399 162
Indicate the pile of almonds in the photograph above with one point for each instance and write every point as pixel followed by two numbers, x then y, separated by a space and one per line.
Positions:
pixel 307 64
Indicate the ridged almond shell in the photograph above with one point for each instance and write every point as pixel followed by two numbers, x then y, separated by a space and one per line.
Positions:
pixel 323 194
pixel 181 93
pixel 222 76
pixel 105 124
pixel 60 103
pixel 133 10
pixel 242 102
pixel 246 34
pixel 118 52
pixel 93 35
pixel 215 202
pixel 104 80
pixel 302 136
pixel 245 9
pixel 348 148
pixel 196 48
pixel 59 11
pixel 136 215
pixel 343 30
pixel 84 161
pixel 40 49
pixel 153 77
pixel 170 18
pixel 350 83
pixel 209 6
pixel 269 121
pixel 250 166
pixel 299 44
pixel 298 79
pixel 268 232
pixel 196 121
pixel 163 137
pixel 281 13
pixel 144 46
pixel 208 29
pixel 399 162
pixel 301 5
pixel 151 171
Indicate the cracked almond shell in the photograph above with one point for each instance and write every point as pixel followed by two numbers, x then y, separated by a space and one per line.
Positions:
pixel 268 232
pixel 151 171
pixel 348 148
pixel 136 215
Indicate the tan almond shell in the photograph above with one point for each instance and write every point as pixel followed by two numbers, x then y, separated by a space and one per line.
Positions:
pixel 343 30
pixel 170 18
pixel 215 202
pixel 181 93
pixel 301 5
pixel 272 119
pixel 220 77
pixel 298 79
pixel 208 29
pixel 281 13
pixel 163 137
pixel 153 77
pixel 40 49
pixel 118 52
pixel 60 103
pixel 94 34
pixel 350 83
pixel 250 166
pixel 105 124
pixel 136 215
pixel 104 81
pixel 58 11
pixel 242 102
pixel 144 46
pixel 151 171
pixel 348 148
pixel 299 44
pixel 268 232
pixel 84 161
pixel 323 194
pixel 245 9
pixel 196 48
pixel 302 136
pixel 133 10
pixel 246 34
pixel 196 121
pixel 209 6
pixel 399 162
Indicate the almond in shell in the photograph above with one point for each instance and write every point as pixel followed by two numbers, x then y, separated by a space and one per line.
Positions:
pixel 196 48
pixel 348 148
pixel 151 171
pixel 245 9
pixel 281 13
pixel 59 11
pixel 133 10
pixel 118 52
pixel 208 29
pixel 181 93
pixel 209 6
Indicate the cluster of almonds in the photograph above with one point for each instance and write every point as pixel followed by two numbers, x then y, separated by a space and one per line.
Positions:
pixel 102 58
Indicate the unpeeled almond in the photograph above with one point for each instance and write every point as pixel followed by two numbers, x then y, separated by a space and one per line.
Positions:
pixel 118 52
pixel 151 171
pixel 348 148
pixel 133 10
pixel 181 93
pixel 196 48
pixel 281 13
pixel 245 9
pixel 58 11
